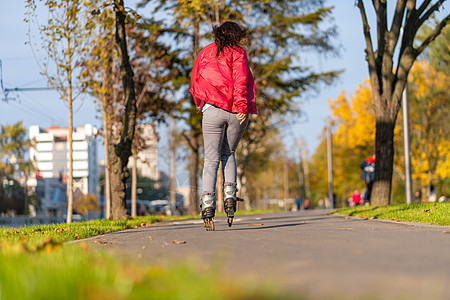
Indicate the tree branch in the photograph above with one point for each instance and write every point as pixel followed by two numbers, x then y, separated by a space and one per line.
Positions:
pixel 423 7
pixel 368 38
pixel 396 25
pixel 437 30
pixel 380 8
pixel 429 13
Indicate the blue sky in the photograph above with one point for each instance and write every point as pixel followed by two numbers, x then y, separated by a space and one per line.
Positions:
pixel 44 108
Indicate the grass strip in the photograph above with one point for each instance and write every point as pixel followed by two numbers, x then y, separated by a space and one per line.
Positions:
pixel 35 235
pixel 427 213
pixel 78 272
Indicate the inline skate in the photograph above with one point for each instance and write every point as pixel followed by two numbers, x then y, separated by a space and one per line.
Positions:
pixel 208 210
pixel 230 200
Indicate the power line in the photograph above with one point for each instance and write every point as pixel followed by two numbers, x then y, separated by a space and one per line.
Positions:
pixel 6 91
pixel 49 114
pixel 26 110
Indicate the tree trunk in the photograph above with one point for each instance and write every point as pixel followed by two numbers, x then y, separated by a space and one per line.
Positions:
pixel 107 190
pixel 172 188
pixel 107 204
pixel 70 140
pixel 193 173
pixel 384 153
pixel 119 174
pixel 121 151
pixel 194 139
pixel 134 185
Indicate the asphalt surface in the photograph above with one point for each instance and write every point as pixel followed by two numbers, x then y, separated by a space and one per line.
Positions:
pixel 310 253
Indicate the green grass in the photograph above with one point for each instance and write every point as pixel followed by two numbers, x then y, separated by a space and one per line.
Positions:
pixel 36 264
pixel 78 272
pixel 428 213
pixel 35 235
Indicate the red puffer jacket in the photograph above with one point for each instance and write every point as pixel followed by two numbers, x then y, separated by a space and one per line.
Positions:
pixel 225 82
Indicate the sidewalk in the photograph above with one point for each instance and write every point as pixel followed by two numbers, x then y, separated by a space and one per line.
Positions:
pixel 311 253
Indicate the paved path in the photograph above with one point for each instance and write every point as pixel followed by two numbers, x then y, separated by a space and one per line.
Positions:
pixel 315 254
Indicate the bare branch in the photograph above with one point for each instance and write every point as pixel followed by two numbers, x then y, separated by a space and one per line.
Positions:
pixel 423 7
pixel 410 9
pixel 437 30
pixel 380 8
pixel 366 29
pixel 429 13
pixel 396 25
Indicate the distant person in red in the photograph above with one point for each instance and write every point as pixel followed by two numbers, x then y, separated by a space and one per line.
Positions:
pixel 356 198
pixel 368 175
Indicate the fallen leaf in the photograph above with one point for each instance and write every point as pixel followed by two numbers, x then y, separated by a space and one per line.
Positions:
pixel 101 242
pixel 149 237
pixel 178 242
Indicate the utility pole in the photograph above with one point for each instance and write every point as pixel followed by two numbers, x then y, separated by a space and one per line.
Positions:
pixel 406 146
pixel 330 165
pixel 172 189
pixel 301 178
pixel 286 184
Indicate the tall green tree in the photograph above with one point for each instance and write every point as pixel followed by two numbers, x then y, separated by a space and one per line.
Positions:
pixel 13 146
pixel 279 31
pixel 63 39
pixel 388 78
pixel 282 33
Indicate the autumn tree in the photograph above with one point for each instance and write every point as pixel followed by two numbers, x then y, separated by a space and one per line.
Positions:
pixel 429 110
pixel 84 204
pixel 120 150
pixel 152 68
pixel 388 78
pixel 353 131
pixel 64 39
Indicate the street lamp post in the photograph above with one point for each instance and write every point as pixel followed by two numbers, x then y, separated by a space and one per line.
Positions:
pixel 330 166
pixel 406 146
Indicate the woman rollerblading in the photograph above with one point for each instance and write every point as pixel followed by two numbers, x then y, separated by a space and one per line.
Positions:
pixel 223 88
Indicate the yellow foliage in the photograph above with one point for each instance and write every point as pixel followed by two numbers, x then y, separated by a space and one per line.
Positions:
pixel 356 120
pixel 353 140
pixel 85 203
pixel 429 111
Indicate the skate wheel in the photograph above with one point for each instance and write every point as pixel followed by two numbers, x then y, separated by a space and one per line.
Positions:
pixel 209 224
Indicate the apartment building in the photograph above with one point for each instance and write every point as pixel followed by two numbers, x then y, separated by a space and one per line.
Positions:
pixel 51 154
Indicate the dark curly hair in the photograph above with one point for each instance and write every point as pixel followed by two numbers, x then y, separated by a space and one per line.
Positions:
pixel 228 34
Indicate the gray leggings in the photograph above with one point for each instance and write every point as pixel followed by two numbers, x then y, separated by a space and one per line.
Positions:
pixel 221 135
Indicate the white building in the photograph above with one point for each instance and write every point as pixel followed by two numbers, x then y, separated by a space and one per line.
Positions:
pixel 51 154
pixel 147 158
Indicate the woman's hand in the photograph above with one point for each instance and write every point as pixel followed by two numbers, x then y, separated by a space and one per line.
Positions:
pixel 241 117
